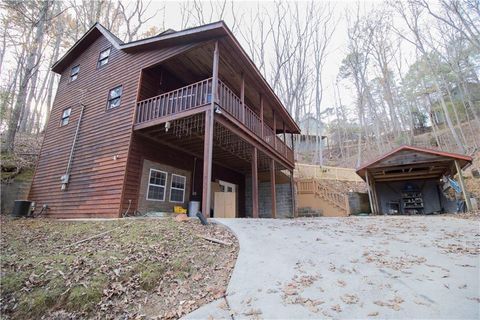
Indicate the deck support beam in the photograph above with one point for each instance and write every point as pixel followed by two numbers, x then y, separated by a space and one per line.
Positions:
pixel 208 139
pixel 462 185
pixel 255 182
pixel 273 188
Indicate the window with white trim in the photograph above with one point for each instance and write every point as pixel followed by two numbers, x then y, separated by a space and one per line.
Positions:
pixel 74 73
pixel 65 116
pixel 156 185
pixel 177 188
pixel 103 58
pixel 114 97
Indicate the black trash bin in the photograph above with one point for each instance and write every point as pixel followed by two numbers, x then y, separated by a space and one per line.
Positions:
pixel 21 208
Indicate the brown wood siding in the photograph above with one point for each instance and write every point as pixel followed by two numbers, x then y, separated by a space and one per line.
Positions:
pixel 96 180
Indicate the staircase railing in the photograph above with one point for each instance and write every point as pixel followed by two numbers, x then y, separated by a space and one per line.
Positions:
pixel 328 193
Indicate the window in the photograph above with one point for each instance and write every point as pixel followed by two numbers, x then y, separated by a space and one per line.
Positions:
pixel 74 73
pixel 177 188
pixel 114 97
pixel 65 116
pixel 103 58
pixel 156 185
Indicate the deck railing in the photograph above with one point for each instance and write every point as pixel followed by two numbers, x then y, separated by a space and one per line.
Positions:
pixel 176 101
pixel 199 94
pixel 303 170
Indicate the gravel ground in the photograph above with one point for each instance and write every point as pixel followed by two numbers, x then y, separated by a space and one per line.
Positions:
pixel 355 267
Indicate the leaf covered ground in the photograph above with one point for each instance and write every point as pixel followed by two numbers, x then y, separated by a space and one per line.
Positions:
pixel 148 268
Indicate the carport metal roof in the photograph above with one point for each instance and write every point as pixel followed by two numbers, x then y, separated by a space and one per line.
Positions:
pixel 408 163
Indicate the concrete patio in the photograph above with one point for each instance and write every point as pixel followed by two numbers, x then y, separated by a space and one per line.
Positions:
pixel 356 267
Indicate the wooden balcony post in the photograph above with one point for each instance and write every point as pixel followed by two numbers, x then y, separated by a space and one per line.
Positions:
pixel 208 140
pixel 284 139
pixel 242 97
pixel 261 114
pixel 293 146
pixel 273 191
pixel 254 183
pixel 274 130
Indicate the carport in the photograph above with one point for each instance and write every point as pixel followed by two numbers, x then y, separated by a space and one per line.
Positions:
pixel 412 180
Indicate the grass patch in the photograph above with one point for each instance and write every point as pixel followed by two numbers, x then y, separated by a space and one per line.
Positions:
pixel 109 276
pixel 150 275
pixel 83 298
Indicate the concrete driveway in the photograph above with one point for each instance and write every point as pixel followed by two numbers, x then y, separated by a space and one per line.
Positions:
pixel 377 267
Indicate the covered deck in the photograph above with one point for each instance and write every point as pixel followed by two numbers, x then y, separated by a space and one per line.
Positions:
pixel 211 107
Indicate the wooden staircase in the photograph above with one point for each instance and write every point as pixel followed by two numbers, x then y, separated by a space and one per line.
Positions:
pixel 336 198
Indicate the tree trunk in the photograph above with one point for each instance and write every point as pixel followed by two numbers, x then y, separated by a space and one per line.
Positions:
pixel 30 68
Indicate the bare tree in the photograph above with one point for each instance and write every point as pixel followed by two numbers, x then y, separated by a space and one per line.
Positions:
pixel 31 63
pixel 135 17
pixel 411 13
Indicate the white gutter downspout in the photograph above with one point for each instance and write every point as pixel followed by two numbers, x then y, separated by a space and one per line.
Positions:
pixel 66 177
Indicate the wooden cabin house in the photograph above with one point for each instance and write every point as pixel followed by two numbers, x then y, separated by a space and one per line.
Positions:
pixel 156 123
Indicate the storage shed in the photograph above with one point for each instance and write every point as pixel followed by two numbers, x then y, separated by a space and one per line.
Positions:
pixel 411 180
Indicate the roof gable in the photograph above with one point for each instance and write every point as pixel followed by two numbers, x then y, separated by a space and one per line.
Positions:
pixel 91 35
pixel 171 38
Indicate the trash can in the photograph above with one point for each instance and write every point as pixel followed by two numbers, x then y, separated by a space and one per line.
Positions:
pixel 193 208
pixel 21 208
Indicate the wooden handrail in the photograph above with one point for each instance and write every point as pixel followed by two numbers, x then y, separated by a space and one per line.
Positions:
pixel 182 99
pixel 330 194
pixel 231 103
pixel 199 94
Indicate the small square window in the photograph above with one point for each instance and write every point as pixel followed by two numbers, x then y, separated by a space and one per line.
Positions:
pixel 74 73
pixel 156 185
pixel 114 97
pixel 177 188
pixel 103 58
pixel 65 117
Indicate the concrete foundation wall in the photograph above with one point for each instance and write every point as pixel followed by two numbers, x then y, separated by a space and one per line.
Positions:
pixel 358 202
pixel 433 199
pixel 284 199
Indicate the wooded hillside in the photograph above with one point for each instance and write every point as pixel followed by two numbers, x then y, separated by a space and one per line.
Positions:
pixel 409 72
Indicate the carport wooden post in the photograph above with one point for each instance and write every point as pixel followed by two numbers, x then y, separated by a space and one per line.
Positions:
pixel 208 139
pixel 254 183
pixel 273 191
pixel 369 192
pixel 374 196
pixel 462 185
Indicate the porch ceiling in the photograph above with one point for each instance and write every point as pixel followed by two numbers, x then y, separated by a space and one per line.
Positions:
pixel 196 64
pixel 431 170
pixel 229 150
